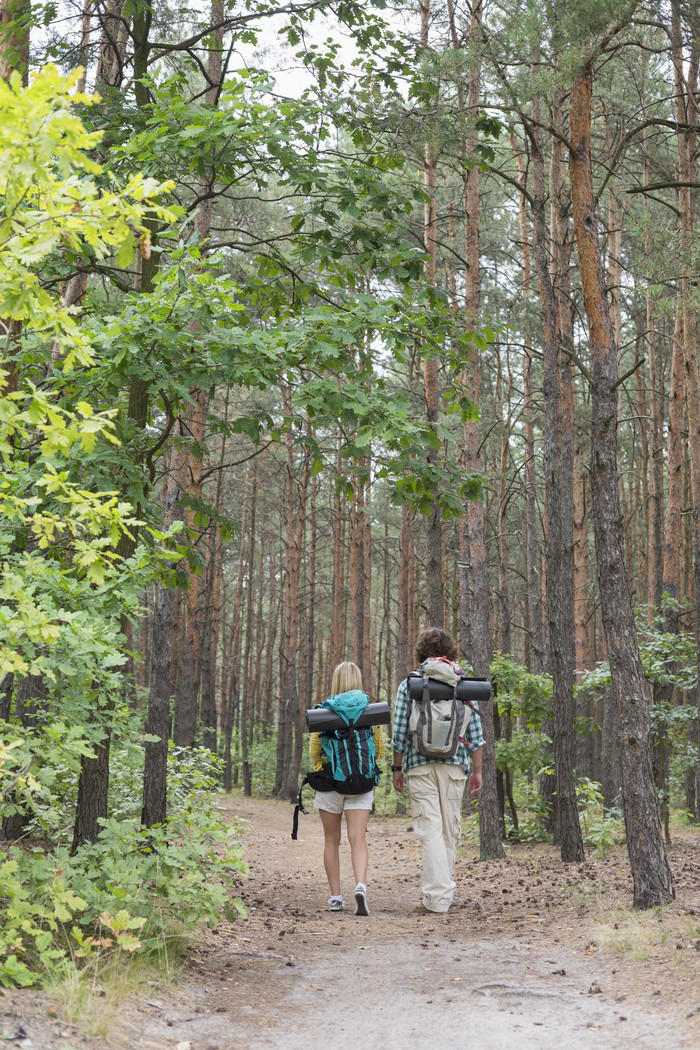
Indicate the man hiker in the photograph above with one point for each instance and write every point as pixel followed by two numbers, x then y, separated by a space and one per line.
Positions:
pixel 435 785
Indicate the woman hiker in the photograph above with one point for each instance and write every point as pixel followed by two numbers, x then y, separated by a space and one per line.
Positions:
pixel 347 679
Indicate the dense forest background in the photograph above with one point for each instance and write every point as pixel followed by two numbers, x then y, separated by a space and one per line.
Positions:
pixel 394 327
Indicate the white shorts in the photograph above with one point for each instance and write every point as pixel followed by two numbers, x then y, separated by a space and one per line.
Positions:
pixel 334 802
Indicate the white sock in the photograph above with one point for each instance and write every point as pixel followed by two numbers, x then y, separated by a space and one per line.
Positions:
pixel 337 897
pixel 361 886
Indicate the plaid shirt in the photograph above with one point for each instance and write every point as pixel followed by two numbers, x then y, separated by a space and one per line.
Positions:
pixel 402 740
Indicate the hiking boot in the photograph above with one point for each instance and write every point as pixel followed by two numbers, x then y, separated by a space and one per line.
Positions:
pixel 361 905
pixel 336 904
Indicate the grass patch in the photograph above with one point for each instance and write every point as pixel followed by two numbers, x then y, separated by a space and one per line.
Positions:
pixel 92 998
pixel 624 931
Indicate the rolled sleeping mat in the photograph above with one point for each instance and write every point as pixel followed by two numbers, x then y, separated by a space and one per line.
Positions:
pixel 467 689
pixel 322 719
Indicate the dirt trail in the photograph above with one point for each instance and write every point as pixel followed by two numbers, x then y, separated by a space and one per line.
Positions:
pixel 512 962
pixel 293 975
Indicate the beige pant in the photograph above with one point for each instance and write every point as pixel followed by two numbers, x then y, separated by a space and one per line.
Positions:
pixel 436 794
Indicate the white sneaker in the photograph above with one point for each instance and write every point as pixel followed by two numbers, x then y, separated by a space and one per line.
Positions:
pixel 336 904
pixel 361 905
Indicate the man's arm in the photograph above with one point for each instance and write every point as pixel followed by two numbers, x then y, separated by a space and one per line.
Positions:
pixel 397 776
pixel 475 775
pixel 399 738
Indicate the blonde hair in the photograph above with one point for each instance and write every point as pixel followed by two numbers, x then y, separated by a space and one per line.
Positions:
pixel 346 676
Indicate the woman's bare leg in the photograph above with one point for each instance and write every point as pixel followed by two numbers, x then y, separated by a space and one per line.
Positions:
pixel 357 830
pixel 331 848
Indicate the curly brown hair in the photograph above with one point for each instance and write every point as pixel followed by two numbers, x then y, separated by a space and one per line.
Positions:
pixel 435 642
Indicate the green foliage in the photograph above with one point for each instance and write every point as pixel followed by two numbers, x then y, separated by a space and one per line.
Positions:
pixel 52 759
pixel 161 882
pixel 520 692
pixel 58 535
pixel 262 756
pixel 670 662
pixel 601 829
pixel 51 197
pixel 533 821
pixel 176 876
pixel 37 903
pixel 525 751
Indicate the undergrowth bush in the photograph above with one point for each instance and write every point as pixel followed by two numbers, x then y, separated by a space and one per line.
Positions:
pixel 143 886
pixel 54 753
pixel 262 756
pixel 135 889
pixel 601 829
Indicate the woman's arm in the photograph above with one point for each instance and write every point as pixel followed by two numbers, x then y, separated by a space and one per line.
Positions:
pixel 315 749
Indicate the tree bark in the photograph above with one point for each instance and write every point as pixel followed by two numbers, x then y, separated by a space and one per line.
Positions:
pixel 535 643
pixel 559 543
pixel 403 642
pixel 433 564
pixel 30 694
pixel 15 22
pixel 208 711
pixel 673 530
pixel 649 865
pixel 686 83
pixel 233 662
pixel 491 847
pixel 247 695
pixel 158 720
pixel 338 582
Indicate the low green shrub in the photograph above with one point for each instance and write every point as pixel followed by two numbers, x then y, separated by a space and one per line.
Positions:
pixel 143 886
pixel 262 756
pixel 601 829
pixel 135 888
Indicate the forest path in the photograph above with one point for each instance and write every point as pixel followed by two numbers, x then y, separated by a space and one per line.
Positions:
pixel 520 959
pixel 486 975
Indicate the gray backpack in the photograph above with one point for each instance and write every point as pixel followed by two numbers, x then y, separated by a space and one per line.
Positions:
pixel 436 725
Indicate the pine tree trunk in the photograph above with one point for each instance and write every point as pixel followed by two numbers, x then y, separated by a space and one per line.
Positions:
pixel 187 690
pixel 310 645
pixel 158 719
pixel 30 694
pixel 686 83
pixel 368 634
pixel 211 642
pixel 93 794
pixel 403 642
pixel 247 695
pixel 649 865
pixel 535 643
pixel 433 541
pixel 491 847
pixel 356 573
pixel 113 36
pixel 290 709
pixel 558 487
pixel 503 537
pixel 338 582
pixel 233 661
pixel 673 533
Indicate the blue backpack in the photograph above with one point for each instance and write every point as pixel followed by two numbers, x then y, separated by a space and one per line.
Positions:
pixel 351 768
pixel 350 751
